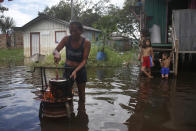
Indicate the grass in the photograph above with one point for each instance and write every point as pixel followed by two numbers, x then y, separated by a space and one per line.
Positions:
pixel 113 58
pixel 49 61
pixel 15 55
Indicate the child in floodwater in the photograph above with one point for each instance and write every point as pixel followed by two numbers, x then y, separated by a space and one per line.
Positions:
pixel 165 63
pixel 147 57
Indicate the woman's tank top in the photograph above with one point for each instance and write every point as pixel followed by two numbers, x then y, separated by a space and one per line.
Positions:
pixel 74 54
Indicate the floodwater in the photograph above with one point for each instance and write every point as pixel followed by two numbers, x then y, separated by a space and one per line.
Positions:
pixel 117 99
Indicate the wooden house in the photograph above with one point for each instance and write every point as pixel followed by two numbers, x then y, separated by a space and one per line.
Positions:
pixel 179 15
pixel 42 34
pixel 17 38
pixel 13 39
pixel 3 41
pixel 120 42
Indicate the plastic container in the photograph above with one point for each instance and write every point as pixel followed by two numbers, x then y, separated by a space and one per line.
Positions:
pixel 101 55
pixel 155 34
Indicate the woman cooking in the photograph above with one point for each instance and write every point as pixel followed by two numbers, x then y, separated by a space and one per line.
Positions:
pixel 77 52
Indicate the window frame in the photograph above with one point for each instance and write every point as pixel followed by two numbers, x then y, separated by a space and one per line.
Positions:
pixel 56 35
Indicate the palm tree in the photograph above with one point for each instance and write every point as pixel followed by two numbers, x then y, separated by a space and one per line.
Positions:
pixel 6 25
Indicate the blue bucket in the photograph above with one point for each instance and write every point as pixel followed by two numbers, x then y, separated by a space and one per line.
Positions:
pixel 100 55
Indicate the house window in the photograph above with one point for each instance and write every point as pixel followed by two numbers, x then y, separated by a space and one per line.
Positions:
pixel 59 36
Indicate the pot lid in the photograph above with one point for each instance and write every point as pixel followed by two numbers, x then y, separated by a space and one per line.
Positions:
pixel 59 80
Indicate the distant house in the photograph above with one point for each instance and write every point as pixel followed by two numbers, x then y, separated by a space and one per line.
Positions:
pixel 42 34
pixel 13 39
pixel 3 41
pixel 120 42
pixel 17 38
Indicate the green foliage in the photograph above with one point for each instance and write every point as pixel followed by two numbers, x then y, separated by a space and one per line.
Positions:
pixel 128 23
pixel 11 56
pixel 2 9
pixel 113 58
pixel 107 18
pixel 107 24
pixel 6 24
pixel 93 13
pixel 85 11
pixel 49 61
pixel 89 17
pixel 62 11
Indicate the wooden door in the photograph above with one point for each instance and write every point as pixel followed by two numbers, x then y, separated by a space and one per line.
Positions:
pixel 35 43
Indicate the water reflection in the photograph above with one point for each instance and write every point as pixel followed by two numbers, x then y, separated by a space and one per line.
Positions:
pixel 100 74
pixel 182 108
pixel 160 107
pixel 75 123
pixel 16 105
pixel 117 99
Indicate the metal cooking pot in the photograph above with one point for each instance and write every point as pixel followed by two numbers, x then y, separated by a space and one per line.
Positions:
pixel 61 88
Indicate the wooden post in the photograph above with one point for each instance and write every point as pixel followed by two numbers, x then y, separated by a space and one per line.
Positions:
pixel 173 59
pixel 72 11
pixel 176 58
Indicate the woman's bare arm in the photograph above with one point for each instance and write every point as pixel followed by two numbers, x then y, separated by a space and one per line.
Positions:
pixel 57 55
pixel 61 44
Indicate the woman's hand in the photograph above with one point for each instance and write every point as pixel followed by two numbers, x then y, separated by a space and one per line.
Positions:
pixel 57 56
pixel 73 74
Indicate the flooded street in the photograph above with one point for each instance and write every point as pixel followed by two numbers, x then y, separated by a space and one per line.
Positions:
pixel 117 99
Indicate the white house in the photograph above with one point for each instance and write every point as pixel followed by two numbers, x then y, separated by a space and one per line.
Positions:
pixel 42 34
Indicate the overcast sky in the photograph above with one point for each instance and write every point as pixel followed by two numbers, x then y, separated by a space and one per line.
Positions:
pixel 22 11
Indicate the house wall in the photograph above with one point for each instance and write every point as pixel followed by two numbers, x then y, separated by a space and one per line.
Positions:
pixel 88 35
pixel 17 39
pixel 120 44
pixel 185 23
pixel 3 41
pixel 47 36
pixel 91 35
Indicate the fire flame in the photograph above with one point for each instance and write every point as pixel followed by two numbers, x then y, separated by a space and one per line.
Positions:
pixel 48 96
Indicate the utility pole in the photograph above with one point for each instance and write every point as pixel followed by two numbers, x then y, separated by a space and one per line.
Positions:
pixel 71 10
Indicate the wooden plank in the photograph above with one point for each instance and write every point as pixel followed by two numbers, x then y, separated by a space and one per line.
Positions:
pixel 161 49
pixel 176 60
pixel 191 52
pixel 52 67
pixel 173 61
pixel 161 45
pixel 171 71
